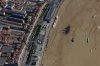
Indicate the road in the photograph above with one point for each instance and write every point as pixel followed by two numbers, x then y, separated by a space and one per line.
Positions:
pixel 83 17
pixel 22 55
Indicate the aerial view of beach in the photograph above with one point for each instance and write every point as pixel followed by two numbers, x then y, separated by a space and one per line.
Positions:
pixel 49 32
pixel 81 45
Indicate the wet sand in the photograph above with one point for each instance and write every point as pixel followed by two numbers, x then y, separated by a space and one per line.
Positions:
pixel 83 17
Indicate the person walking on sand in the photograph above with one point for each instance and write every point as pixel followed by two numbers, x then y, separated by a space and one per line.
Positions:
pixel 72 40
pixel 87 40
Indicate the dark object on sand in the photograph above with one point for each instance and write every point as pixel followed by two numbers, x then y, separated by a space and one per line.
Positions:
pixel 87 40
pixel 66 30
pixel 72 40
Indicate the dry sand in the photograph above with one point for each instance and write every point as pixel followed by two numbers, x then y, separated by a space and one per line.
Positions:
pixel 83 17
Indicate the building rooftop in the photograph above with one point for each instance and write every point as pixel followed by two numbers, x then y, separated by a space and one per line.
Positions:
pixel 8 49
pixel 3 60
pixel 15 28
pixel 10 44
pixel 11 65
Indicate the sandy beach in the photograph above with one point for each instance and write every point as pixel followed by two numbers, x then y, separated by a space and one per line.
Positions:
pixel 83 16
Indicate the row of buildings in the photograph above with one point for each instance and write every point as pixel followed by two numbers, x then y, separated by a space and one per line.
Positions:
pixel 16 20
